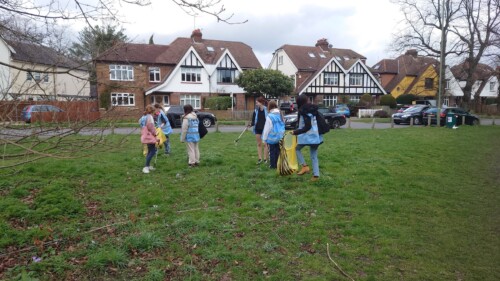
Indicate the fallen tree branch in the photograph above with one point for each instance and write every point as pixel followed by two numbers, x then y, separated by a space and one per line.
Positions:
pixel 338 267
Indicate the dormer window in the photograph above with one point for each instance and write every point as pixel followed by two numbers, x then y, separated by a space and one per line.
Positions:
pixel 210 48
pixel 492 86
pixel 311 54
pixel 322 55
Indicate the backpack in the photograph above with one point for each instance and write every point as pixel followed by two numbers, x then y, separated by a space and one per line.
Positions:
pixel 202 130
pixel 323 126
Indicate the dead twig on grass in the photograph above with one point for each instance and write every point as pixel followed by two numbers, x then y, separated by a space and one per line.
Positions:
pixel 336 265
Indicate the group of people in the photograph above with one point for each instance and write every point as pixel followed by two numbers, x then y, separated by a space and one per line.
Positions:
pixel 268 127
pixel 189 134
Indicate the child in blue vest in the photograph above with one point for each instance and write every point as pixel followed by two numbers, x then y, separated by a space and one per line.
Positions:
pixel 273 132
pixel 190 135
pixel 162 122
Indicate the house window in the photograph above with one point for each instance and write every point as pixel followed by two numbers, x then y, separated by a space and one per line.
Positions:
pixel 191 74
pixel 122 99
pixel 280 60
pixel 429 83
pixel 226 75
pixel 37 76
pixel 193 100
pixel 121 72
pixel 492 86
pixel 331 79
pixel 329 100
pixel 154 74
pixel 166 100
pixel 311 55
pixel 447 84
pixel 354 99
pixel 446 101
pixel 356 79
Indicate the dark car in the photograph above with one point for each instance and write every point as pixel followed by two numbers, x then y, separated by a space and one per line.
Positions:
pixel 288 107
pixel 334 119
pixel 412 113
pixel 175 113
pixel 460 114
pixel 28 111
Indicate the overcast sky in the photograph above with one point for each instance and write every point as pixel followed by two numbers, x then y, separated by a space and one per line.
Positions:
pixel 365 26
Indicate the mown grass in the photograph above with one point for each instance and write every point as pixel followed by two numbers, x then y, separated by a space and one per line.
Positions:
pixel 408 204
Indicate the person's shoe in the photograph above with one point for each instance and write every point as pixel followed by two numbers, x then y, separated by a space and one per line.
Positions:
pixel 304 170
pixel 151 168
pixel 315 178
pixel 197 164
pixel 145 170
pixel 259 162
pixel 265 161
pixel 191 165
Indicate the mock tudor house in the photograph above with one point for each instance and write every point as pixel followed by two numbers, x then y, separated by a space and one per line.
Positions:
pixel 417 75
pixel 324 73
pixel 486 80
pixel 36 72
pixel 184 72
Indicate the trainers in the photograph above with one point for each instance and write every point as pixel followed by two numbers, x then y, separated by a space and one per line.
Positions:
pixel 145 170
pixel 315 178
pixel 259 162
pixel 265 161
pixel 304 170
pixel 151 168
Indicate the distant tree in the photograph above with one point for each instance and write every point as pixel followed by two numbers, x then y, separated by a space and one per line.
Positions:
pixel 470 29
pixel 388 100
pixel 365 100
pixel 269 82
pixel 405 99
pixel 92 41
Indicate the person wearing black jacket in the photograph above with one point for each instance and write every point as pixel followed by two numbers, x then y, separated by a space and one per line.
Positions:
pixel 307 134
pixel 258 122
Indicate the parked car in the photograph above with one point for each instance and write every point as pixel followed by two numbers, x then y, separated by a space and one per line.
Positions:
pixel 28 111
pixel 412 113
pixel 175 113
pixel 342 109
pixel 403 107
pixel 460 113
pixel 334 119
pixel 288 107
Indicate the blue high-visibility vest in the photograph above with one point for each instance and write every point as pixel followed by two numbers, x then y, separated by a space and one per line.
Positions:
pixel 278 131
pixel 192 134
pixel 312 136
pixel 167 129
pixel 257 116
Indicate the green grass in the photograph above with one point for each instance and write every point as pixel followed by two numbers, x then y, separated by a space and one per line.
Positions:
pixel 409 204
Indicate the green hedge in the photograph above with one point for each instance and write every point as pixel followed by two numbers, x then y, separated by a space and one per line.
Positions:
pixel 218 103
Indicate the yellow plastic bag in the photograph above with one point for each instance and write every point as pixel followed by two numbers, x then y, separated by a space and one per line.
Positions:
pixel 287 160
pixel 161 136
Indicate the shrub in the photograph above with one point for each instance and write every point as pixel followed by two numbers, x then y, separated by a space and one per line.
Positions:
pixel 365 100
pixel 406 99
pixel 218 103
pixel 105 100
pixel 380 114
pixel 388 100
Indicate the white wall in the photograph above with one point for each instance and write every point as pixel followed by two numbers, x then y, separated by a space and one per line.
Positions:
pixel 4 70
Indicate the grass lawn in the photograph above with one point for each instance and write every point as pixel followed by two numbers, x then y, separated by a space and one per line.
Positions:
pixel 408 204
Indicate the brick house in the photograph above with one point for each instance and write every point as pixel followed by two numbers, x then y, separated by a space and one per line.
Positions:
pixel 325 74
pixel 184 72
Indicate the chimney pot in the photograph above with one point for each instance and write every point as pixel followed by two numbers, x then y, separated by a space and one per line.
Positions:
pixel 196 35
pixel 323 44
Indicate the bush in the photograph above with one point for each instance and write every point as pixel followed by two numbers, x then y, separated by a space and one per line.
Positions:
pixel 105 100
pixel 218 103
pixel 406 99
pixel 381 114
pixel 388 100
pixel 365 100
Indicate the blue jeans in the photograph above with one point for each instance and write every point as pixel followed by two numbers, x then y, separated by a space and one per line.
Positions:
pixel 167 145
pixel 151 153
pixel 314 157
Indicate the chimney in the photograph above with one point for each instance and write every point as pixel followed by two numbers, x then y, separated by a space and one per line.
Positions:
pixel 323 43
pixel 196 36
pixel 412 52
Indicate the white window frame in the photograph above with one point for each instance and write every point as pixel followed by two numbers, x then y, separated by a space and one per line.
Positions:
pixel 121 72
pixel 329 100
pixel 192 73
pixel 280 60
pixel 492 86
pixel 155 73
pixel 122 99
pixel 331 79
pixel 37 76
pixel 355 99
pixel 446 101
pixel 447 84
pixel 193 100
pixel 166 100
pixel 356 79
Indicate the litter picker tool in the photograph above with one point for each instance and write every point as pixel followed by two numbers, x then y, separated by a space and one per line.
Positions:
pixel 239 137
